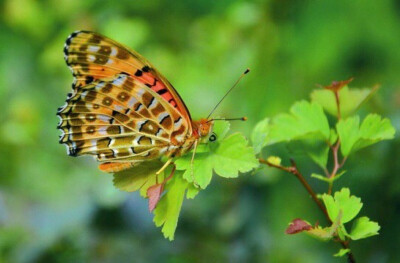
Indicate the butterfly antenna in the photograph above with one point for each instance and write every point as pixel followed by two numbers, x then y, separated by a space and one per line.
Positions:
pixel 229 119
pixel 226 94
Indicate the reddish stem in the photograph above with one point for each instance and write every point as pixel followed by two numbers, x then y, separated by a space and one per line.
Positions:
pixel 337 104
pixel 293 170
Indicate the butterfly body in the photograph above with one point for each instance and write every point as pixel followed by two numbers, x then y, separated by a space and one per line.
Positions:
pixel 121 109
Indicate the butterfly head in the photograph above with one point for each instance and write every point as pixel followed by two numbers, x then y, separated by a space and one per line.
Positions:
pixel 204 127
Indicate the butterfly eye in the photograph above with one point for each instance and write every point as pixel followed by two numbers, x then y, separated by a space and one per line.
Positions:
pixel 213 137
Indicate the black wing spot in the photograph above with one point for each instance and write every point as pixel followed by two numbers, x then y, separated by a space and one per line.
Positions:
pixel 138 106
pixel 89 79
pixel 146 68
pixel 163 119
pixel 138 73
pixel 141 125
pixel 151 101
pixel 162 91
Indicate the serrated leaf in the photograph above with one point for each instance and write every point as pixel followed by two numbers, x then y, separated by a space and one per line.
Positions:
pixel 260 134
pixel 305 118
pixel 306 128
pixel 348 133
pixel 350 99
pixel 342 201
pixel 192 191
pixel 221 128
pixel 167 211
pixel 372 130
pixel 363 228
pixel 227 157
pixel 138 177
pixel 342 252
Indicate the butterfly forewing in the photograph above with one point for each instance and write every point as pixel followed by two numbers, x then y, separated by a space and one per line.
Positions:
pixel 92 56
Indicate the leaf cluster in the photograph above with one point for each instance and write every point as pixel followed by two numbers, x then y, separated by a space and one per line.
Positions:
pixel 228 156
pixel 306 129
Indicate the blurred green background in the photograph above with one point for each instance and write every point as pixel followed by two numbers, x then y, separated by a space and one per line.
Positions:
pixel 55 208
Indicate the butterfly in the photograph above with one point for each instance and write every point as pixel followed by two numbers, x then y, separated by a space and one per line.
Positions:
pixel 121 109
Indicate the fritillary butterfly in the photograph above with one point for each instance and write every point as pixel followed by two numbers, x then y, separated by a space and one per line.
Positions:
pixel 121 109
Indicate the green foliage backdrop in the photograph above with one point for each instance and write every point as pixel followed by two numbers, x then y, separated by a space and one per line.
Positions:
pixel 54 208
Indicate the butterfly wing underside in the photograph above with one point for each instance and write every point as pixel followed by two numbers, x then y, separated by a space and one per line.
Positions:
pixel 121 109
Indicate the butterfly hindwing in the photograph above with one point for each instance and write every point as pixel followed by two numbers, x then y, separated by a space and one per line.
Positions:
pixel 119 119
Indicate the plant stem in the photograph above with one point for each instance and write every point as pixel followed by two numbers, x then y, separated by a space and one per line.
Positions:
pixel 330 186
pixel 337 104
pixel 336 164
pixel 295 171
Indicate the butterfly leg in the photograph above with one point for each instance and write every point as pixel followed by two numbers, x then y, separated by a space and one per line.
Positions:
pixel 192 161
pixel 164 166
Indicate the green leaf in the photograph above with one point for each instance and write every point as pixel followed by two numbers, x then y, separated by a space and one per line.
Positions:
pixel 321 177
pixel 350 99
pixel 306 128
pixel 226 156
pixel 373 129
pixel 342 252
pixel 167 211
pixel 305 119
pixel 349 205
pixel 342 232
pixel 192 191
pixel 221 128
pixel 138 177
pixel 348 133
pixel 260 134
pixel 363 228
pixel 333 137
